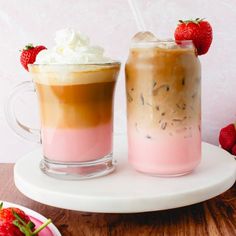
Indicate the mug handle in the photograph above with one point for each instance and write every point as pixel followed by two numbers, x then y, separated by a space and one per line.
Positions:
pixel 20 129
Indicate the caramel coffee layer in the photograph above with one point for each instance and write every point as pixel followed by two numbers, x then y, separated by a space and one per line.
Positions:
pixel 75 106
pixel 163 89
pixel 75 96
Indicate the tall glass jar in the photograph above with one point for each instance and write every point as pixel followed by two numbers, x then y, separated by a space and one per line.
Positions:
pixel 163 86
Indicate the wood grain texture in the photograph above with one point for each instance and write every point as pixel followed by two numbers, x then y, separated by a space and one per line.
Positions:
pixel 214 217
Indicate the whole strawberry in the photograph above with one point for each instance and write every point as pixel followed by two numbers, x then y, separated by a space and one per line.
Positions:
pixel 6 221
pixel 198 30
pixel 14 222
pixel 227 137
pixel 29 53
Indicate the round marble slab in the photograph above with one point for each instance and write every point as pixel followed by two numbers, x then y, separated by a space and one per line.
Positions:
pixel 125 190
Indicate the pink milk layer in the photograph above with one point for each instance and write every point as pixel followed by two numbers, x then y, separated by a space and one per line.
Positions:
pixel 77 145
pixel 164 155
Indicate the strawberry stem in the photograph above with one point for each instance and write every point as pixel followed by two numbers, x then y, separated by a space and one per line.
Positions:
pixel 24 229
pixel 28 46
pixel 19 218
pixel 196 21
pixel 45 224
pixel 1 205
pixel 27 228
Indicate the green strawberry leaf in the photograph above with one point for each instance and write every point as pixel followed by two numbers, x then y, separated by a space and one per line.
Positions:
pixel 31 225
pixel 19 218
pixel 41 227
pixel 22 228
pixel 195 21
pixel 27 228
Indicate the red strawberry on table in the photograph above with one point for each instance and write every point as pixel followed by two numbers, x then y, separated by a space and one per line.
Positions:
pixel 198 30
pixel 227 137
pixel 233 151
pixel 6 221
pixel 14 222
pixel 29 53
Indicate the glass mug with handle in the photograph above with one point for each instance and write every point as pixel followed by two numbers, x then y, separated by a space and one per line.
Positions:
pixel 76 113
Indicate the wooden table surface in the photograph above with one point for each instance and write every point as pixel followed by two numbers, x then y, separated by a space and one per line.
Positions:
pixel 214 217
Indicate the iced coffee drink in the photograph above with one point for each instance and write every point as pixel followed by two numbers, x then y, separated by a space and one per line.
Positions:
pixel 164 107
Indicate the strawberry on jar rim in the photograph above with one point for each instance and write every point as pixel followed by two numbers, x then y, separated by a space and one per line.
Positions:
pixel 198 30
pixel 29 54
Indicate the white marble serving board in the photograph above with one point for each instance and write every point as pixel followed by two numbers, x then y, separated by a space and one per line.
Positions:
pixel 125 190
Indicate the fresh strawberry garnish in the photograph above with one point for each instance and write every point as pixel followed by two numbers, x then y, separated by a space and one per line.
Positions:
pixel 227 137
pixel 29 53
pixel 199 31
pixel 14 222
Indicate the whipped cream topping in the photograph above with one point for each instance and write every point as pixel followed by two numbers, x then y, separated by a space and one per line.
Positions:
pixel 72 48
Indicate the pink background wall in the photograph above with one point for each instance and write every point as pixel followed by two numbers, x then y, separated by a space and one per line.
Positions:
pixel 111 25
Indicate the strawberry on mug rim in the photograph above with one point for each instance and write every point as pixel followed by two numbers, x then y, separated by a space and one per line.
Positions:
pixel 198 30
pixel 29 53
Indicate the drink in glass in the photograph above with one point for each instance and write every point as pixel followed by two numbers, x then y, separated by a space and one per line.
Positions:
pixel 163 107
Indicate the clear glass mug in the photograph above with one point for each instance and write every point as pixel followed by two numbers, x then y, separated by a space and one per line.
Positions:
pixel 163 87
pixel 76 114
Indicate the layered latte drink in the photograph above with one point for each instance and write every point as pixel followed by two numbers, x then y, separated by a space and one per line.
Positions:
pixel 163 105
pixel 75 86
pixel 76 106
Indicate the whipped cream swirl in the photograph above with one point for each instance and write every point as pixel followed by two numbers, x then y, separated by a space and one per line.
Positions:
pixel 72 48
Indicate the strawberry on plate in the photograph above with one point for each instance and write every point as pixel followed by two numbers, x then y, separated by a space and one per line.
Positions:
pixel 14 222
pixel 29 53
pixel 198 30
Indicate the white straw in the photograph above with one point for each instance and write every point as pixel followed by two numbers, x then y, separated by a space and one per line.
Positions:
pixel 137 15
